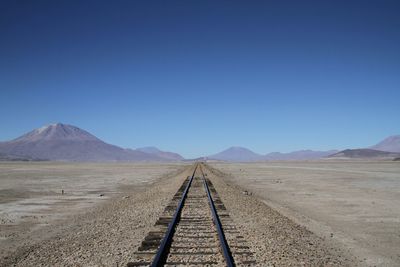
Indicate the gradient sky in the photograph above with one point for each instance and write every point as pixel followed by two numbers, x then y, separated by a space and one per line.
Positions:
pixel 196 77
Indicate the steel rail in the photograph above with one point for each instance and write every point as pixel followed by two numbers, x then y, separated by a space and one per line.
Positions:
pixel 162 253
pixel 224 244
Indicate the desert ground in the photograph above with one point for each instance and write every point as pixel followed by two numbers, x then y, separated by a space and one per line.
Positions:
pixel 295 214
pixel 33 208
pixel 355 204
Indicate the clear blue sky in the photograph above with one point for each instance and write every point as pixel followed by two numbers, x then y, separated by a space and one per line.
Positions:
pixel 196 77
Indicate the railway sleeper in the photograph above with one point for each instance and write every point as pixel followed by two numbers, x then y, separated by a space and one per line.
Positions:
pixel 191 253
pixel 149 245
pixel 195 235
pixel 200 263
pixel 193 242
pixel 185 259
pixel 197 247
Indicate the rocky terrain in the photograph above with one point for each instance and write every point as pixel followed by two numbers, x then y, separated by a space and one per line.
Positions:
pixel 354 204
pixel 103 235
pixel 276 239
pixel 109 234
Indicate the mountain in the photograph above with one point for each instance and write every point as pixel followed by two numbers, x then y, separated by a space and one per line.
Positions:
pixel 299 155
pixel 390 144
pixel 246 155
pixel 205 159
pixel 4 157
pixel 364 153
pixel 163 154
pixel 237 154
pixel 387 148
pixel 66 142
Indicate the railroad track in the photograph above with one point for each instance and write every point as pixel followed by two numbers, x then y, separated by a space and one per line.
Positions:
pixel 195 229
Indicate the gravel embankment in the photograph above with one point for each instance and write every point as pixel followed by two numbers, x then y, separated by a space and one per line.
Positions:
pixel 106 236
pixel 275 239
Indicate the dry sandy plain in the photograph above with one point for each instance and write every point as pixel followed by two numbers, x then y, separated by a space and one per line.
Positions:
pixel 335 213
pixel 356 204
pixel 33 208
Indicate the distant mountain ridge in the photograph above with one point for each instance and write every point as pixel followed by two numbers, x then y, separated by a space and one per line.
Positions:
pixel 241 154
pixel 237 154
pixel 299 155
pixel 364 153
pixel 389 144
pixel 387 148
pixel 164 154
pixel 70 143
